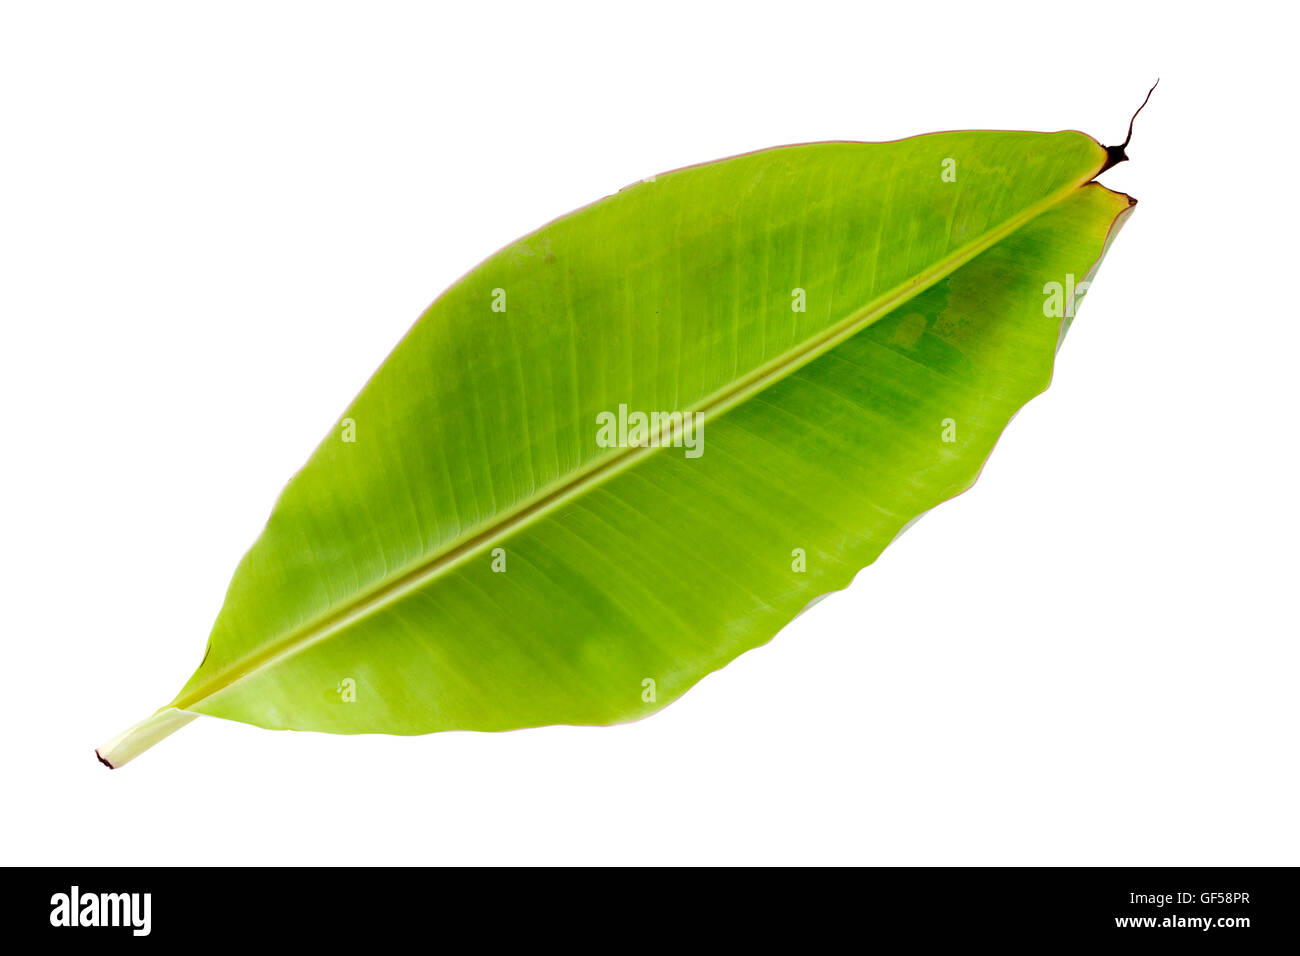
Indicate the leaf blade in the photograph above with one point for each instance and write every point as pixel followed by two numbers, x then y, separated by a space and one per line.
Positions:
pixel 551 675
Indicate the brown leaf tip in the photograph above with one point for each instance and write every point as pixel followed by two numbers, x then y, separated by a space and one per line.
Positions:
pixel 1115 154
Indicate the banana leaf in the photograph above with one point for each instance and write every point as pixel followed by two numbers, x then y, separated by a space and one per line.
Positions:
pixel 637 442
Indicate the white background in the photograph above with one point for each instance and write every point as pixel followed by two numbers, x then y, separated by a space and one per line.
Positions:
pixel 218 219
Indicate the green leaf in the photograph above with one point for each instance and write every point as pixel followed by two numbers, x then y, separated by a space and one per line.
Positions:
pixel 848 326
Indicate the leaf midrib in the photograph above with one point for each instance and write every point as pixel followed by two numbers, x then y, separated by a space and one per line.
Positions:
pixel 393 588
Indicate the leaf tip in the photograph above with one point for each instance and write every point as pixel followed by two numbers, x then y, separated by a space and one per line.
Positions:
pixel 1116 154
